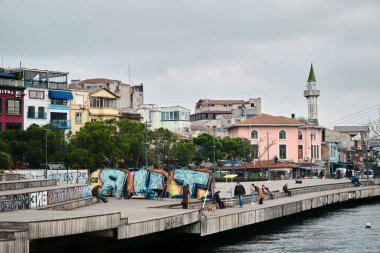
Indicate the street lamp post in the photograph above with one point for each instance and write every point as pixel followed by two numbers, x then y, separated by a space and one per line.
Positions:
pixel 146 144
pixel 213 170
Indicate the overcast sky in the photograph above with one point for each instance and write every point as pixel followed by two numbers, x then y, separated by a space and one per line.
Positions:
pixel 187 50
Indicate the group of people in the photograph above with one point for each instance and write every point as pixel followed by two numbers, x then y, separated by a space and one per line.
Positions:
pixel 260 192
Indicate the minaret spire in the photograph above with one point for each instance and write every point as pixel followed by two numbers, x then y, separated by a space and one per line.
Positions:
pixel 311 95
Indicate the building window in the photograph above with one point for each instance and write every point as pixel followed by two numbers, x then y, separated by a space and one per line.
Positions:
pixel 254 135
pixel 282 151
pixel 41 113
pixel 255 151
pixel 31 112
pixel 299 135
pixel 102 102
pixel 93 120
pixel 282 135
pixel 13 107
pixel 78 117
pixel 13 126
pixel 314 151
pixel 36 94
pixel 300 151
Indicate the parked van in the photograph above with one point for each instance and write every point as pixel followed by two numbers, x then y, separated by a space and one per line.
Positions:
pixel 369 173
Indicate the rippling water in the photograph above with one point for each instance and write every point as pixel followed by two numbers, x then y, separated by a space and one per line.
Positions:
pixel 341 230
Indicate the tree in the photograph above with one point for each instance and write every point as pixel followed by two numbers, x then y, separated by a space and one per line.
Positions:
pixel 204 150
pixel 163 140
pixel 183 152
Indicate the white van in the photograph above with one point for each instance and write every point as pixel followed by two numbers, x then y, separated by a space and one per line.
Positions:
pixel 369 173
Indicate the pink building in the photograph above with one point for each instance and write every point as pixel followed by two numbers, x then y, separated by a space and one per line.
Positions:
pixel 286 138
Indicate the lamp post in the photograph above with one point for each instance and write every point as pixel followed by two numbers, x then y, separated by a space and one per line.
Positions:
pixel 146 144
pixel 213 169
pixel 312 134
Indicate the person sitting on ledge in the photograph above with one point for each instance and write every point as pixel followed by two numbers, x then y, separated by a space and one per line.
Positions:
pixel 96 194
pixel 286 190
pixel 355 181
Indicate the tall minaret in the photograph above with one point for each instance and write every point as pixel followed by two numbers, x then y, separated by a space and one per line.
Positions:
pixel 311 95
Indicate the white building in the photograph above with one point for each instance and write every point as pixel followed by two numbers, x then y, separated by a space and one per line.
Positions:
pixel 173 118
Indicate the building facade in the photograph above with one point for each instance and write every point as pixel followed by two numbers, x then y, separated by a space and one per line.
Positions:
pixel 45 97
pixel 286 138
pixel 173 118
pixel 129 97
pixel 221 114
pixel 11 106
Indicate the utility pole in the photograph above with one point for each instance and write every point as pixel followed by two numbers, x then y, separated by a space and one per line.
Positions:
pixel 268 155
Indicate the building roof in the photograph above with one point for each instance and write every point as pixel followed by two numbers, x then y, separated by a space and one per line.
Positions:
pixel 351 129
pixel 219 112
pixel 266 119
pixel 224 102
pixel 179 136
pixel 96 81
pixel 96 90
pixel 311 75
pixel 263 164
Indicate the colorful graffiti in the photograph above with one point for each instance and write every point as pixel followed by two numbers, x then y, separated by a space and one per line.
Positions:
pixel 150 183
pixel 43 198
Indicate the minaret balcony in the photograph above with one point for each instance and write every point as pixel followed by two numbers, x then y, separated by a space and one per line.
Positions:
pixel 311 93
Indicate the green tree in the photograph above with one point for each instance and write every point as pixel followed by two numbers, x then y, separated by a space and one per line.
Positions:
pixel 204 150
pixel 183 152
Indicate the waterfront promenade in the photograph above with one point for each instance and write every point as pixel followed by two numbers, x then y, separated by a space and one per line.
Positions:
pixel 130 218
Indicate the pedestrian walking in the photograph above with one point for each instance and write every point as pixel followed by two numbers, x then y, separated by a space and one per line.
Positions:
pixel 252 188
pixel 239 192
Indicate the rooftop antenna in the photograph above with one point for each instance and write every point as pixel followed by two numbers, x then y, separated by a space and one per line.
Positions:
pixel 20 64
pixel 129 74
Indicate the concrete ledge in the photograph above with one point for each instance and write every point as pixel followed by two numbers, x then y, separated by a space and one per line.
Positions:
pixel 23 184
pixel 69 205
pixel 18 243
pixel 63 227
pixel 156 225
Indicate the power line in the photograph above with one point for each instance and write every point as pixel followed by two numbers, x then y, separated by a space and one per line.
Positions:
pixel 360 117
pixel 355 115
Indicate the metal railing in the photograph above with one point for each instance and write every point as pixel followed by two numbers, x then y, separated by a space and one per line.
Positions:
pixel 62 124
pixel 37 115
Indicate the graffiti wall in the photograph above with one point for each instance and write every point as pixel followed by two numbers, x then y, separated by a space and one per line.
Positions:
pixel 43 198
pixel 196 179
pixel 150 183
pixel 68 176
pixel 62 176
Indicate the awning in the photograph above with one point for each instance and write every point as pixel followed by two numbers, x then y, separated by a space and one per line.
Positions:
pixel 60 94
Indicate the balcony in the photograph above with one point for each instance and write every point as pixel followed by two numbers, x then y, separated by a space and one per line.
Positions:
pixel 11 83
pixel 60 124
pixel 37 115
pixel 36 84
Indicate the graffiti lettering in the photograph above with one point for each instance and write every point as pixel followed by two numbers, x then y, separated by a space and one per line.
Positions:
pixel 173 222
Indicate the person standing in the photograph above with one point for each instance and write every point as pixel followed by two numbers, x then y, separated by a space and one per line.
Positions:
pixel 239 192
pixel 252 188
pixel 260 194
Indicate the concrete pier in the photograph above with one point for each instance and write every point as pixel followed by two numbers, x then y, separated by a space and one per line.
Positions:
pixel 128 218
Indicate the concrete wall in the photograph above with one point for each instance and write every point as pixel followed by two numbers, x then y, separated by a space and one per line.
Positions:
pixel 211 225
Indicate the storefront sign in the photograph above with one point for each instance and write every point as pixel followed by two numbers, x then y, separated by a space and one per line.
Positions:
pixel 16 93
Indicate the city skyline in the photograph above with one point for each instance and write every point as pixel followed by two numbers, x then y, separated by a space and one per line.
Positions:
pixel 187 51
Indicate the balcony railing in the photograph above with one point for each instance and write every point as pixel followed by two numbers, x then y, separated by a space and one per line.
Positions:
pixel 37 115
pixel 36 84
pixel 60 124
pixel 12 83
pixel 58 86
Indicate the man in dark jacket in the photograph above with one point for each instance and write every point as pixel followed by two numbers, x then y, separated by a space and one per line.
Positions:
pixel 239 192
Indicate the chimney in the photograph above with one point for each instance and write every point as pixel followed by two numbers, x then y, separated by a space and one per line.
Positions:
pixel 293 116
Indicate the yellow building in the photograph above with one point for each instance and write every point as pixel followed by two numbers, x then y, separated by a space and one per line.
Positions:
pixel 93 105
